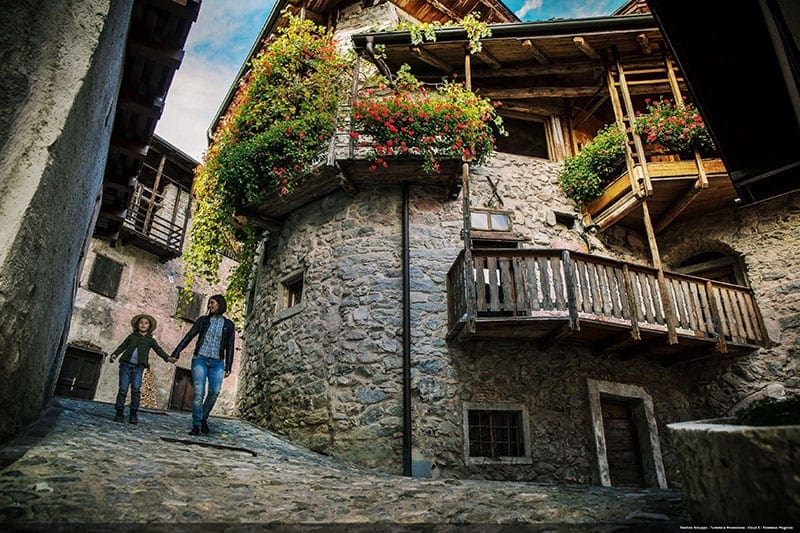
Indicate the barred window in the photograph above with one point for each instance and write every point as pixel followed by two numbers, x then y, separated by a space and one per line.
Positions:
pixel 496 433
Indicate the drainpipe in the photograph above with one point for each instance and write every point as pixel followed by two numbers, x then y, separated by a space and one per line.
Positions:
pixel 406 341
pixel 383 68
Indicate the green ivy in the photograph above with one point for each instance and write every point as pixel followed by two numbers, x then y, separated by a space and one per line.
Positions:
pixel 426 31
pixel 282 115
pixel 584 175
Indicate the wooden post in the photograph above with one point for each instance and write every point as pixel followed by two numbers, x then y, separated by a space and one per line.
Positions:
pixel 151 205
pixel 632 304
pixel 620 116
pixel 637 141
pixel 572 300
pixel 716 317
pixel 666 298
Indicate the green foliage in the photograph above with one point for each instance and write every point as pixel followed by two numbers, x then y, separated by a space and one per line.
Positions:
pixel 675 127
pixel 584 175
pixel 282 115
pixel 771 412
pixel 426 31
pixel 408 119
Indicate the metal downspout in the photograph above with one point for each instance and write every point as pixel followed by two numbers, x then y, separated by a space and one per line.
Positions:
pixel 406 340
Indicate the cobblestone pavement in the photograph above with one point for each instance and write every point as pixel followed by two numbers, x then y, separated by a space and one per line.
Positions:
pixel 77 467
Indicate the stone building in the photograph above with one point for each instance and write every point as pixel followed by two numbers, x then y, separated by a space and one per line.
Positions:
pixel 481 324
pixel 141 272
pixel 83 85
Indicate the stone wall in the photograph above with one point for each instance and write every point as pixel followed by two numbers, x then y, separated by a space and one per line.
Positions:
pixel 329 373
pixel 147 286
pixel 766 236
pixel 59 78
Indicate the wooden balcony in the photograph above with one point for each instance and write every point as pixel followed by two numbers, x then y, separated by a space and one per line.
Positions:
pixel 156 221
pixel 676 192
pixel 552 295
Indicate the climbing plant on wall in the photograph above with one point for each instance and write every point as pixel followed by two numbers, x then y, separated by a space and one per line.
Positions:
pixel 282 115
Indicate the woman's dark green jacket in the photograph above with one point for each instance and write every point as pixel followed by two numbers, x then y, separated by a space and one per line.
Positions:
pixel 143 343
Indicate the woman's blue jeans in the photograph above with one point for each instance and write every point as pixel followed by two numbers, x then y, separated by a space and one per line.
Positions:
pixel 129 376
pixel 204 368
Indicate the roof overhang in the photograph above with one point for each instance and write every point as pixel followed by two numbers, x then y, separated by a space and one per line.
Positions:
pixel 742 65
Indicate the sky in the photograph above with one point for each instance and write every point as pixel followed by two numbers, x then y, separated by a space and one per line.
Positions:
pixel 223 34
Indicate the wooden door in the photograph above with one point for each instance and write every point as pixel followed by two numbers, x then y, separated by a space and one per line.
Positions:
pixel 182 390
pixel 79 374
pixel 622 444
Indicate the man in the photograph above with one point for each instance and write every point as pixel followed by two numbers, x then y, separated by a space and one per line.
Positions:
pixel 212 360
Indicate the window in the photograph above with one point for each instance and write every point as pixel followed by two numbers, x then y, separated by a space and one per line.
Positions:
pixel 496 433
pixel 105 276
pixel 715 266
pixel 293 291
pixel 189 307
pixel 490 220
pixel 525 137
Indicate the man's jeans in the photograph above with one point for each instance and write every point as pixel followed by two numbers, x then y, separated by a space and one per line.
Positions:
pixel 214 370
pixel 129 376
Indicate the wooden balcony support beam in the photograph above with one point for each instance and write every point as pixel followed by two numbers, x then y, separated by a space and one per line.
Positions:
pixel 644 44
pixel 573 67
pixel 163 55
pixel 539 92
pixel 585 47
pixel 554 336
pixel 431 59
pixel 677 208
pixel 535 51
pixel 489 59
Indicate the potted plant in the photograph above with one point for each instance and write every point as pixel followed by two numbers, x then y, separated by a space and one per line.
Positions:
pixel 584 175
pixel 743 470
pixel 677 128
pixel 410 120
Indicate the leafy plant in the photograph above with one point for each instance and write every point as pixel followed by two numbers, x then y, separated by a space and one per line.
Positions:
pixel 409 119
pixel 281 117
pixel 675 127
pixel 584 175
pixel 426 31
pixel 771 412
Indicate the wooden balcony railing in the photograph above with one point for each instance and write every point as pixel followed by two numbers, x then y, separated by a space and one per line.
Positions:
pixel 156 222
pixel 552 294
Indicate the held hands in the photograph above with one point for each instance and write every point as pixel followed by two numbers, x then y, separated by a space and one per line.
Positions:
pixel 172 360
pixel 112 358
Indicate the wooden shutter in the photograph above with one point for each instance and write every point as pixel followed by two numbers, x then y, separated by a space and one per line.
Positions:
pixel 105 276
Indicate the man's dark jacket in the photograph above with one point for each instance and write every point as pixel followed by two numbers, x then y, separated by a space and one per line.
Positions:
pixel 199 329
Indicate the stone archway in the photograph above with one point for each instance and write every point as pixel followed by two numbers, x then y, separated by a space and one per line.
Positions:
pixel 649 449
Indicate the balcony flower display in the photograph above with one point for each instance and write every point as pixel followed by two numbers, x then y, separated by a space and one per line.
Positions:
pixel 282 115
pixel 678 128
pixel 584 175
pixel 411 120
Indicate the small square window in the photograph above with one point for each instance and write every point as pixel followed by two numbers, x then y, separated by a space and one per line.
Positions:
pixel 490 220
pixel 496 433
pixel 105 276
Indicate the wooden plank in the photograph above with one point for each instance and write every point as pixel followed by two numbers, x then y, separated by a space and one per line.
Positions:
pixel 569 283
pixel 624 311
pixel 708 315
pixel 700 321
pixel 608 291
pixel 633 304
pixel 494 288
pixel 544 276
pixel 716 316
pixel 582 45
pixel 506 279
pixel 535 51
pixel 647 298
pixel 688 169
pixel 558 283
pixel 747 318
pixel 532 285
pixel 659 303
pixel 579 276
pixel 480 283
pixel 431 59
pixel 591 271
pixel 521 292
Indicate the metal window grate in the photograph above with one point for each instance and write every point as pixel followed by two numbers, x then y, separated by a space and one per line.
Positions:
pixel 495 434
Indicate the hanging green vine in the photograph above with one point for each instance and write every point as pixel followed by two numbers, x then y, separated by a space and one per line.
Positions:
pixel 426 31
pixel 282 115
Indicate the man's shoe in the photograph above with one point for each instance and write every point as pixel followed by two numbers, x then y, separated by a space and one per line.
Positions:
pixel 195 431
pixel 204 427
pixel 119 417
pixel 134 418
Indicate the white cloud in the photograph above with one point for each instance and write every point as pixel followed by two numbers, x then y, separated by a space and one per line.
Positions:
pixel 527 7
pixel 216 47
pixel 192 101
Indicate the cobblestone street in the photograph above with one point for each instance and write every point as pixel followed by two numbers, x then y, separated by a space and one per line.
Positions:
pixel 77 467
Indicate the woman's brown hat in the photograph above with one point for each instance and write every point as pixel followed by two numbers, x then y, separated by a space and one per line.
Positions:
pixel 153 323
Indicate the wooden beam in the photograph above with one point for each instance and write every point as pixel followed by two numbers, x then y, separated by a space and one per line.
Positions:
pixel 666 298
pixel 431 59
pixel 610 343
pixel 585 47
pixel 556 335
pixel 677 208
pixel 535 51
pixel 509 108
pixel 445 10
pixel 539 92
pixel 489 59
pixel 644 44
pixel 573 67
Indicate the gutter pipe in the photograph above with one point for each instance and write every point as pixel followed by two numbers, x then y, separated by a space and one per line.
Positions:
pixel 406 339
